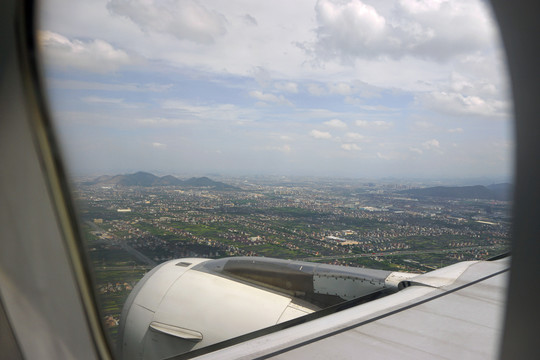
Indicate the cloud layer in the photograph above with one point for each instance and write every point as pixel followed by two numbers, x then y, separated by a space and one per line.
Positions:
pixel 183 19
pixel 430 29
pixel 348 87
pixel 95 55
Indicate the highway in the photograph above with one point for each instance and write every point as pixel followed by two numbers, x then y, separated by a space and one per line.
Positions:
pixel 397 253
pixel 125 246
pixel 123 268
pixel 151 263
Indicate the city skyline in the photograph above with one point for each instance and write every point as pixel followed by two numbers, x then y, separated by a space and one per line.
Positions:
pixel 321 88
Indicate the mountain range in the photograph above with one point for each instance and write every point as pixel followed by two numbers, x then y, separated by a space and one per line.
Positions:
pixel 490 192
pixel 142 178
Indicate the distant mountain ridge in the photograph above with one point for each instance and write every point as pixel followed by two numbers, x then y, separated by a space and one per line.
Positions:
pixel 490 192
pixel 142 178
pixel 503 191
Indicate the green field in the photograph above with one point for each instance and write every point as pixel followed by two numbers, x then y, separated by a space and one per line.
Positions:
pixel 113 265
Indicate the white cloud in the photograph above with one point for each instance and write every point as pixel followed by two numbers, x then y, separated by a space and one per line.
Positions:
pixel 250 20
pixel 96 99
pixel 360 104
pixel 354 136
pixel 208 113
pixel 315 89
pixel 269 98
pixel 158 145
pixel 423 124
pixel 102 86
pixel 340 88
pixel 440 30
pixel 270 45
pixel 469 86
pixel 347 27
pixel 255 47
pixel 351 147
pixel 264 97
pixel 385 156
pixel 290 87
pixel 95 55
pixel 456 130
pixel 422 6
pixel 336 123
pixel 458 104
pixel 362 123
pixel 284 148
pixel 261 76
pixel 431 144
pixel 183 19
pixel 320 134
pixel 164 122
pixel 377 124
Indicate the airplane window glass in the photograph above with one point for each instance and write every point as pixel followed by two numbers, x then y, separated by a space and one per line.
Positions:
pixel 233 156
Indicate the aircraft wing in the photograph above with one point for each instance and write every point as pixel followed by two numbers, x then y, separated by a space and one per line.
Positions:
pixel 454 312
pixel 245 308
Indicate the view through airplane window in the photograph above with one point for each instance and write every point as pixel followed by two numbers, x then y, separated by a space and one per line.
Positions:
pixel 366 134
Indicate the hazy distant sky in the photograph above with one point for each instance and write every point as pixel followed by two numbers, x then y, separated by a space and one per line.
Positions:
pixel 345 88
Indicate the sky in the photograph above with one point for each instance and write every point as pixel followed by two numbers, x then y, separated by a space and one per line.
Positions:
pixel 334 88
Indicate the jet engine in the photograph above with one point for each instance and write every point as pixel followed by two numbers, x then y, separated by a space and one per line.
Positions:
pixel 186 304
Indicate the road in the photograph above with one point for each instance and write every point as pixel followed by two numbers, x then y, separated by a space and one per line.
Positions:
pixel 135 253
pixel 396 253
pixel 152 263
pixel 122 268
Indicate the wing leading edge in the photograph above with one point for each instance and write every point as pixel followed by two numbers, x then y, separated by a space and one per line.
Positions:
pixel 453 312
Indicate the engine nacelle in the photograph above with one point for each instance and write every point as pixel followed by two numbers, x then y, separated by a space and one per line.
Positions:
pixel 186 304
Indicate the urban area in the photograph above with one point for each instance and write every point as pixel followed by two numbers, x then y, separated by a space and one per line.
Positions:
pixel 133 222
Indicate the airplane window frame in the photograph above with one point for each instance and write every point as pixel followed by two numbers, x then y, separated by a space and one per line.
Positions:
pixel 59 186
pixel 53 167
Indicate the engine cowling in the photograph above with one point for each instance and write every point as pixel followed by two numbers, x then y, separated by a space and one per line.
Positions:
pixel 187 304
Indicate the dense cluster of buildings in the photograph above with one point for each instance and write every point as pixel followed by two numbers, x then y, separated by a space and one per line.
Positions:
pixel 294 220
